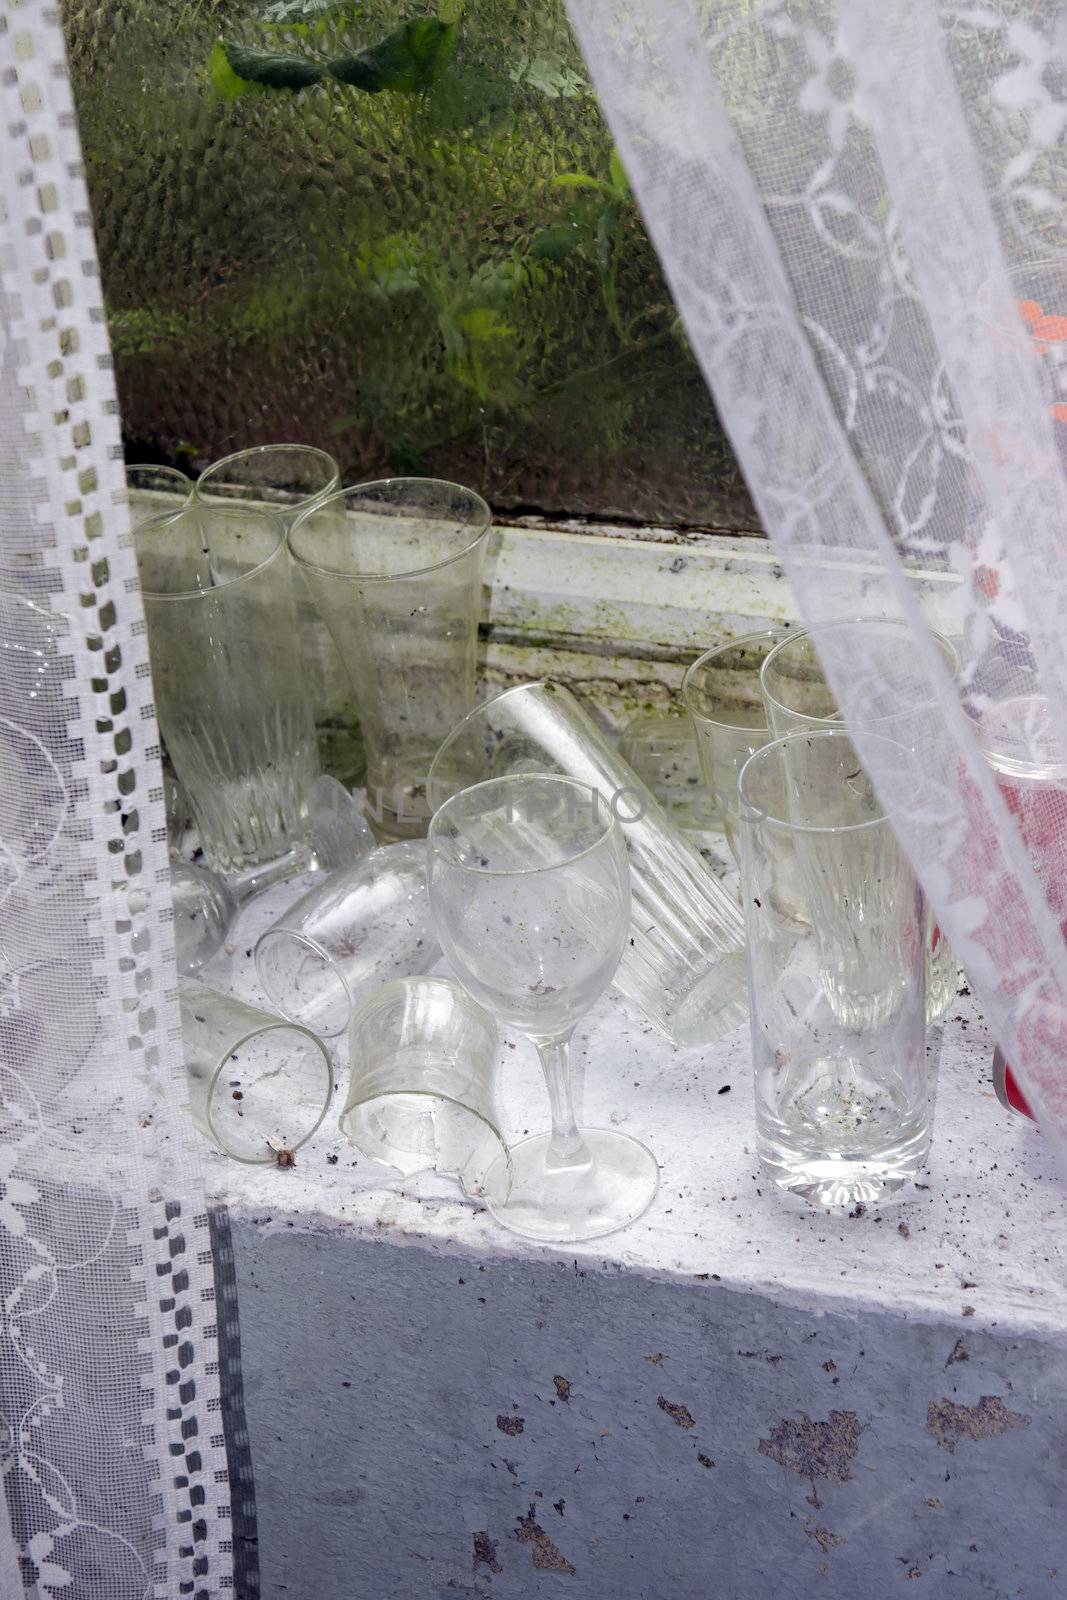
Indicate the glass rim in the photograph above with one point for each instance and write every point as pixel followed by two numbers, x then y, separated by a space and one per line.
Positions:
pixel 751 811
pixel 270 1026
pixel 817 723
pixel 559 780
pixel 166 518
pixel 268 449
pixel 297 936
pixel 483 525
pixel 384 994
pixel 423 1094
pixel 780 635
pixel 158 466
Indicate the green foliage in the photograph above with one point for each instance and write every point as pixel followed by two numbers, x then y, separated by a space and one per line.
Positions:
pixel 270 68
pixel 599 231
pixel 305 16
pixel 408 61
pixel 446 252
pixel 549 75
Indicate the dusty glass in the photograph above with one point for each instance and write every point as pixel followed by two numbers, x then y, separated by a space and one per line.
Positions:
pixel 530 891
pixel 721 691
pixel 258 1087
pixel 359 926
pixel 228 682
pixel 683 965
pixel 395 569
pixel 204 908
pixel 836 939
pixel 152 490
pixel 422 1095
pixel 797 696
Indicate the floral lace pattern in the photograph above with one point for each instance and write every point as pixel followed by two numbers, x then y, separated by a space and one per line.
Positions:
pixel 860 205
pixel 111 1455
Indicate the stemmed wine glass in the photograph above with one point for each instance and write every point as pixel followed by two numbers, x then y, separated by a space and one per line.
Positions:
pixel 530 894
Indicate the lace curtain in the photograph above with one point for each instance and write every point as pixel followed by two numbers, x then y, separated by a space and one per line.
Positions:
pixel 859 205
pixel 111 1447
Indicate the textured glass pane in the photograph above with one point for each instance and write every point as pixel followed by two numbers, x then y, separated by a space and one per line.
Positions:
pixel 399 276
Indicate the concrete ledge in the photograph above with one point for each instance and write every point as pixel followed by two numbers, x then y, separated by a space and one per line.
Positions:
pixel 436 1407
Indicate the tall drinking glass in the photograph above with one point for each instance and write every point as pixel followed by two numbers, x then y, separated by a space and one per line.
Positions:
pixel 721 691
pixel 290 478
pixel 228 684
pixel 529 889
pixel 684 963
pixel 396 571
pixel 798 697
pixel 836 985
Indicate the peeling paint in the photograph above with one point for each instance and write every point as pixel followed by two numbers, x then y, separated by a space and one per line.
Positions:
pixel 563 1387
pixel 545 1555
pixel 823 1537
pixel 677 1413
pixel 485 1552
pixel 815 1449
pixel 511 1425
pixel 948 1422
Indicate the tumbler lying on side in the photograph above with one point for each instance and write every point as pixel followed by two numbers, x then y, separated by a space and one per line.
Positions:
pixel 683 964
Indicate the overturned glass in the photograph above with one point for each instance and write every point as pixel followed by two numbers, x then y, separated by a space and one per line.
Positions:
pixel 422 1095
pixel 258 1087
pixel 353 930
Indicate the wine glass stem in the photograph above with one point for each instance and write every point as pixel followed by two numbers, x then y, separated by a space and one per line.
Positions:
pixel 566 1148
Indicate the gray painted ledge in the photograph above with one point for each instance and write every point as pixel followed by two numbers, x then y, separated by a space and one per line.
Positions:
pixel 734 1398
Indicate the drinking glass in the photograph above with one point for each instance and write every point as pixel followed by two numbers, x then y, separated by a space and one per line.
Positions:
pixel 287 477
pixel 204 908
pixel 153 490
pixel 836 986
pixel 529 888
pixel 423 1058
pixel 797 696
pixel 258 1087
pixel 228 684
pixel 368 922
pixel 683 964
pixel 662 750
pixel 721 691
pixel 396 571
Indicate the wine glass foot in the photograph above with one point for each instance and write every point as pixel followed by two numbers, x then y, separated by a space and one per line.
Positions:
pixel 565 1205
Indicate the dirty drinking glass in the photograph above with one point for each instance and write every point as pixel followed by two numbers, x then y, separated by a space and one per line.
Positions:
pixel 228 683
pixel 286 477
pixel 289 478
pixel 797 696
pixel 151 491
pixel 354 929
pixel 684 963
pixel 258 1087
pixel 423 1059
pixel 529 887
pixel 395 569
pixel 836 984
pixel 721 691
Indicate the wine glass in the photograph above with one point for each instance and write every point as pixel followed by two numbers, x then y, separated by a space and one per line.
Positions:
pixel 530 894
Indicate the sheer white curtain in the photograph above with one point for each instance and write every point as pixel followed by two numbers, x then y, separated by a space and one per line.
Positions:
pixel 111 1444
pixel 860 206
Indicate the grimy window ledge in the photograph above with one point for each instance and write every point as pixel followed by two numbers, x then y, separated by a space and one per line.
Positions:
pixel 734 1397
